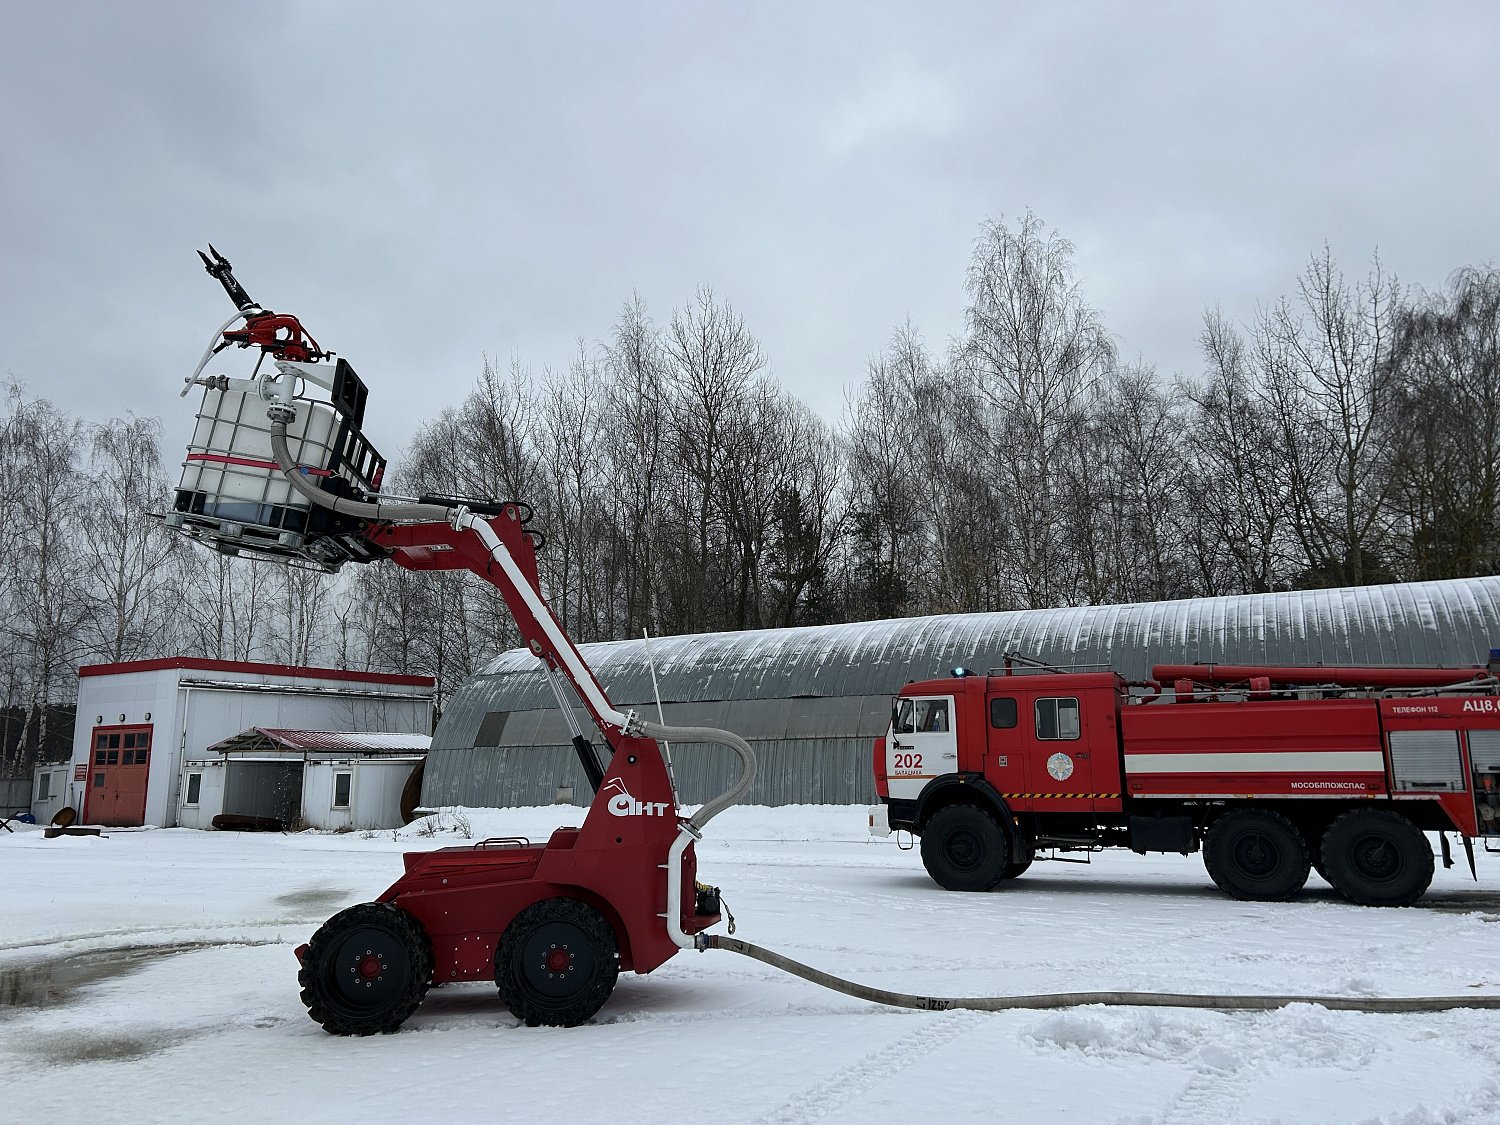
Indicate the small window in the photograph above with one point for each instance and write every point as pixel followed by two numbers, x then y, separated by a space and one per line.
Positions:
pixel 112 758
pixel 931 715
pixel 130 740
pixel 490 728
pixel 195 787
pixel 99 756
pixel 901 722
pixel 1057 718
pixel 44 787
pixel 341 783
pixel 114 742
pixel 98 781
pixel 1002 713
pixel 101 741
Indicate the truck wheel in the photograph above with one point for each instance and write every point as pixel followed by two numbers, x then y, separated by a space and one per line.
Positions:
pixel 365 970
pixel 963 849
pixel 1377 858
pixel 1256 855
pixel 557 963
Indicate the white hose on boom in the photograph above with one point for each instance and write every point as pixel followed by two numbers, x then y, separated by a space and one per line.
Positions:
pixel 580 675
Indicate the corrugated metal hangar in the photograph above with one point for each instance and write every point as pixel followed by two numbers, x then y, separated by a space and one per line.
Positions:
pixel 811 699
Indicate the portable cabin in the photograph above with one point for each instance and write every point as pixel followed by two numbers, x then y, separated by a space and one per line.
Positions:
pixel 267 777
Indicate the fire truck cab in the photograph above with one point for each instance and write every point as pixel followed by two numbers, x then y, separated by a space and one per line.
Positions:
pixel 1269 772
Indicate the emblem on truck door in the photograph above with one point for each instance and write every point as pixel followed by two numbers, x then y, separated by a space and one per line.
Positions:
pixel 1060 766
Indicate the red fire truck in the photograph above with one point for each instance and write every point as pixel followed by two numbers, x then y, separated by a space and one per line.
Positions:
pixel 1269 771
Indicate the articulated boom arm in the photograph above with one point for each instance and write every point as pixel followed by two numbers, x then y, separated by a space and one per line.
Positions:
pixel 499 549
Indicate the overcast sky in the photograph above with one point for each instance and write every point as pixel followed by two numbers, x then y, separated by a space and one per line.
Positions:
pixel 427 184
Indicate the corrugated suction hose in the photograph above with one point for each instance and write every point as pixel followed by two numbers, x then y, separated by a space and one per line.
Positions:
pixel 1047 1000
pixel 735 792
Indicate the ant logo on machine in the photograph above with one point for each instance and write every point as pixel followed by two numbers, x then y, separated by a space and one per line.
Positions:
pixel 623 804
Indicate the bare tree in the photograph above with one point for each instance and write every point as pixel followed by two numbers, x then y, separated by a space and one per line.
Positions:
pixel 890 526
pixel 712 361
pixel 224 605
pixel 1237 497
pixel 42 559
pixel 635 446
pixel 1036 352
pixel 1325 362
pixel 126 552
pixel 1444 433
pixel 1127 480
pixel 569 432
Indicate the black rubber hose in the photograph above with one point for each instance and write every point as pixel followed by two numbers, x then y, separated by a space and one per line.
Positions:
pixel 1082 999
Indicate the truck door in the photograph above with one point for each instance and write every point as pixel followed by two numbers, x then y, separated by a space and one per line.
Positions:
pixel 1059 772
pixel 922 745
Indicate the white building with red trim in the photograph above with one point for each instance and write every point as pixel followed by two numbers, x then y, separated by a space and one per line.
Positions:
pixel 140 723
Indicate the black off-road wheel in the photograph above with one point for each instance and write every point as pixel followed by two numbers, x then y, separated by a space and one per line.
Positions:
pixel 557 963
pixel 964 849
pixel 366 970
pixel 1377 858
pixel 1256 855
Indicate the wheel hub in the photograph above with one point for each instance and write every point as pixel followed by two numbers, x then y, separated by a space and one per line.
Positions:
pixel 1256 856
pixel 367 969
pixel 1376 859
pixel 557 960
pixel 962 849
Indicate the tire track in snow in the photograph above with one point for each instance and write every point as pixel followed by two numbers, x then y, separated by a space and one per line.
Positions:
pixel 834 1093
pixel 1210 1095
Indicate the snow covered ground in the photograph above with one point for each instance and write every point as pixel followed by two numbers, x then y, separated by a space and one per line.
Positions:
pixel 216 1031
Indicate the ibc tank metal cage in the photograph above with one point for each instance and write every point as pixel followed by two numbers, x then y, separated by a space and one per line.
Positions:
pixel 234 497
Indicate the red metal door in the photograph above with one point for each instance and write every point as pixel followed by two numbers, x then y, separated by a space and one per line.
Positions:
pixel 119 770
pixel 1059 772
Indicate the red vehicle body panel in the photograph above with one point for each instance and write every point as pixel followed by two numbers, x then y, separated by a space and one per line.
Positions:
pixel 465 897
pixel 1259 748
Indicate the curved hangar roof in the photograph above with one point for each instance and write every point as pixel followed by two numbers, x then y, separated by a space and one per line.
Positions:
pixel 811 699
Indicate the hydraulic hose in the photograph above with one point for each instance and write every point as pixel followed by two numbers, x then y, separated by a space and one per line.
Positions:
pixel 1384 1004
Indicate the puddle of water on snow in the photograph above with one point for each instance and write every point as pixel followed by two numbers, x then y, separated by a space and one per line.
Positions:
pixel 315 900
pixel 47 984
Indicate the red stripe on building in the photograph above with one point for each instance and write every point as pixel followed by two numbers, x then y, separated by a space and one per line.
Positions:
pixel 203 664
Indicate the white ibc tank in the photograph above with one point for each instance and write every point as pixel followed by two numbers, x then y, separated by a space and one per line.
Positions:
pixel 230 473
